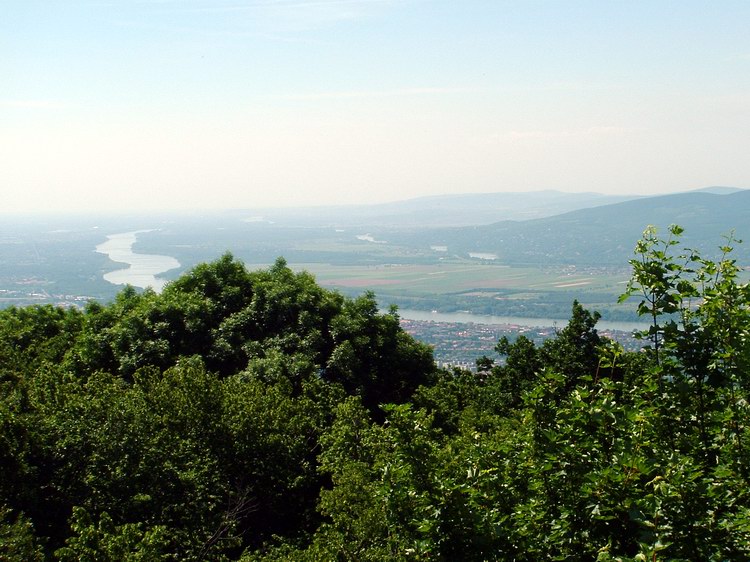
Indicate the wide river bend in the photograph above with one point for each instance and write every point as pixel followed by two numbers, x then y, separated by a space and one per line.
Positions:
pixel 142 270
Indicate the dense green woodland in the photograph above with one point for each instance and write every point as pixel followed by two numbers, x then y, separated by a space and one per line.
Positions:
pixel 256 416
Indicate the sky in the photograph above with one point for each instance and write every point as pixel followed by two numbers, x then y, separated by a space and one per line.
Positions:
pixel 197 104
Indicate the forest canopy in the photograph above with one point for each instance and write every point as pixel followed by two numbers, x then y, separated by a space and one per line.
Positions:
pixel 253 415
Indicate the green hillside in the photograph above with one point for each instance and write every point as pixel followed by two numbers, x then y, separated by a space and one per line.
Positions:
pixel 601 235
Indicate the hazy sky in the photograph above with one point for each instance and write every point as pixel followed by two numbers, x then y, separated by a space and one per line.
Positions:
pixel 244 103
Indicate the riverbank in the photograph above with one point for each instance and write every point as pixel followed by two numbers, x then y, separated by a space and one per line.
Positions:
pixel 142 270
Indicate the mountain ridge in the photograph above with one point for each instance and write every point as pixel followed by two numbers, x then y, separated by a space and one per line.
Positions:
pixel 604 234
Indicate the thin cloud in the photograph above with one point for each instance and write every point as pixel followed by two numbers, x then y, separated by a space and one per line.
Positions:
pixel 30 104
pixel 355 94
pixel 271 19
pixel 600 130
pixel 287 13
pixel 303 15
pixel 287 4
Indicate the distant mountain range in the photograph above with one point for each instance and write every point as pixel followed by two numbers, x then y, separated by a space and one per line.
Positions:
pixel 534 228
pixel 718 190
pixel 441 210
pixel 603 234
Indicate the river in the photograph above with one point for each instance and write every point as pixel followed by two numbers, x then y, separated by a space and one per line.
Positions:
pixel 142 270
pixel 468 317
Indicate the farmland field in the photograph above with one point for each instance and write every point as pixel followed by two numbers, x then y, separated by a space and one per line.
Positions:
pixel 481 288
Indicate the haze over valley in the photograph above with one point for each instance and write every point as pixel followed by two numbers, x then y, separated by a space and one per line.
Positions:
pixel 574 246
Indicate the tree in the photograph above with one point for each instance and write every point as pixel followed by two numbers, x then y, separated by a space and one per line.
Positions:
pixel 373 357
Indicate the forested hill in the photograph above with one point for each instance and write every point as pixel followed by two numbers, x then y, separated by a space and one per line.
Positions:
pixel 256 416
pixel 603 234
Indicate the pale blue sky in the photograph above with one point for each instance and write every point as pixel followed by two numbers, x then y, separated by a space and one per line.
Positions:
pixel 148 104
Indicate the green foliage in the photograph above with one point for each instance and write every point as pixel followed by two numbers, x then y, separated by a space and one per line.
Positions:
pixel 182 423
pixel 372 357
pixel 257 416
pixel 35 335
pixel 658 279
pixel 574 353
pixel 18 542
pixel 104 541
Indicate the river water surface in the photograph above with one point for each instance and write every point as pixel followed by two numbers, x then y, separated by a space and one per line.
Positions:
pixel 468 317
pixel 142 270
